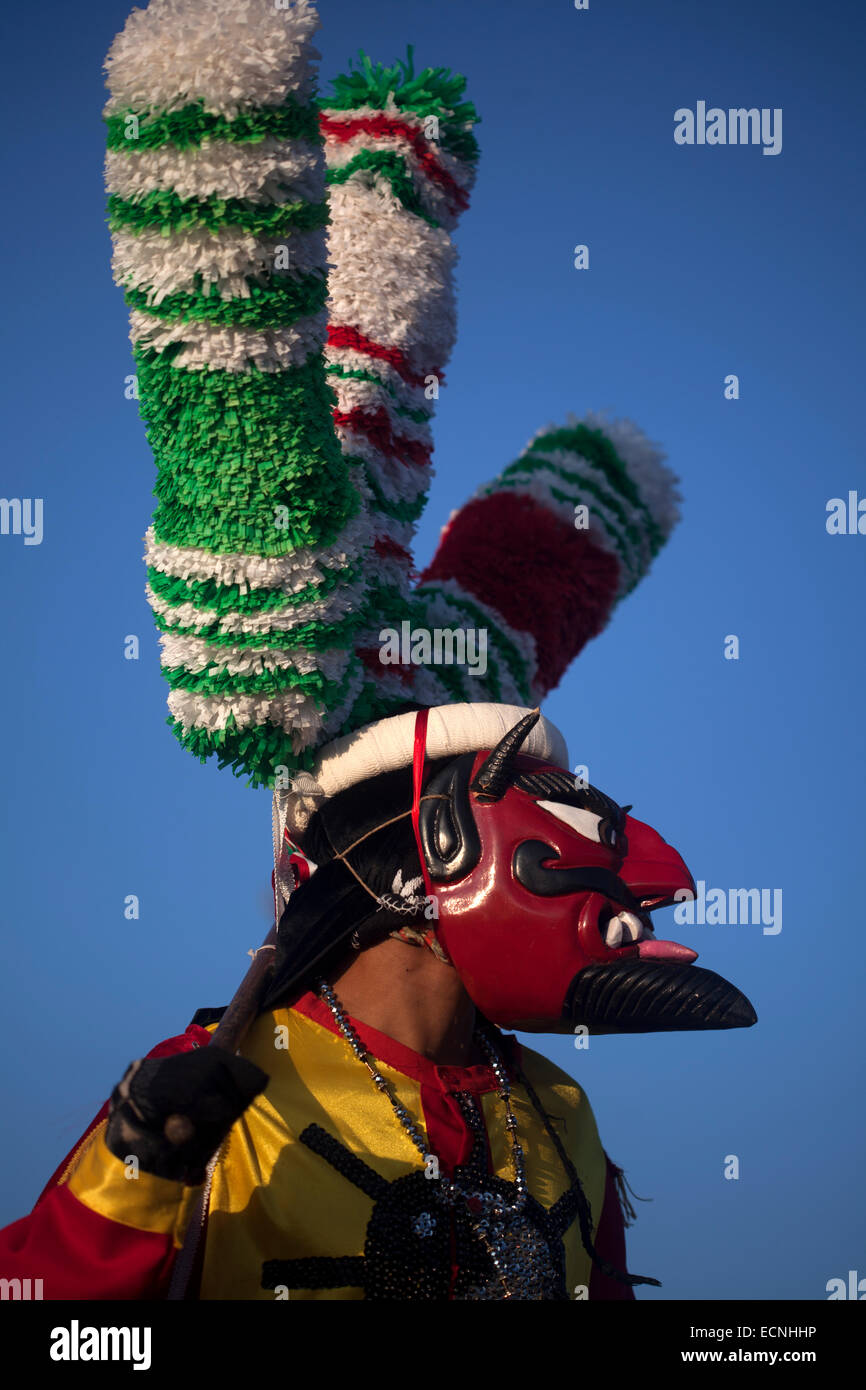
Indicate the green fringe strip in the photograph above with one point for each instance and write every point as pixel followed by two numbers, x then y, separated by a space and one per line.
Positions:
pixel 230 447
pixel 164 209
pixel 509 653
pixel 594 446
pixel 254 752
pixel 213 682
pixel 419 416
pixel 192 124
pixel 433 92
pixel 391 609
pixel 391 167
pixel 397 511
pixel 370 705
pixel 513 475
pixel 275 305
pixel 228 598
pixel 313 636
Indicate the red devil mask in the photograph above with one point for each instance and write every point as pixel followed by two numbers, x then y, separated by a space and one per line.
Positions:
pixel 544 890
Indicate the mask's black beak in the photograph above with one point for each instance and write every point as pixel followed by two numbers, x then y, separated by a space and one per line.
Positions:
pixel 653 996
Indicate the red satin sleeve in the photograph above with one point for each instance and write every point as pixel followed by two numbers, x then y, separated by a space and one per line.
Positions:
pixel 610 1244
pixel 68 1251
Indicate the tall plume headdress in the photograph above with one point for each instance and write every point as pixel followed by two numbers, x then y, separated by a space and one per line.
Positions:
pixel 288 264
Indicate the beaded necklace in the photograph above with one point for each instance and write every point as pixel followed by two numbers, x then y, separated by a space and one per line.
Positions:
pixel 499 1224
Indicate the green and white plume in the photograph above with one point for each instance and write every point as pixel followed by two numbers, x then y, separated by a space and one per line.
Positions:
pixel 288 264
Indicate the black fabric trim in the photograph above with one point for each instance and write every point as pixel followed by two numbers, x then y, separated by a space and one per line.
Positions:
pixel 202 1017
pixel 345 1162
pixel 563 1212
pixel 315 1272
pixel 583 1212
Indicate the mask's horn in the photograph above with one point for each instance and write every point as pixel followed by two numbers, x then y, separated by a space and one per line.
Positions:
pixel 494 774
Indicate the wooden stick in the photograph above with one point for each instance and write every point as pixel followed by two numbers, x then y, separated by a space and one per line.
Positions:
pixel 229 1034
pixel 230 1030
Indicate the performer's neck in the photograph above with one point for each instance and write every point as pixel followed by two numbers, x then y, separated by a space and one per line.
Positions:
pixel 406 993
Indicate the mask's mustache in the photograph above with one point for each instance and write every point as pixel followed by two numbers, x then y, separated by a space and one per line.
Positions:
pixel 533 873
pixel 648 996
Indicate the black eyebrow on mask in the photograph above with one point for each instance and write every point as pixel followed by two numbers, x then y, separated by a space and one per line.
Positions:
pixel 559 786
pixel 532 866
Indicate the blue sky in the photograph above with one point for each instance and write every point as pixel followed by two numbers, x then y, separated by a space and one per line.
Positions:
pixel 704 261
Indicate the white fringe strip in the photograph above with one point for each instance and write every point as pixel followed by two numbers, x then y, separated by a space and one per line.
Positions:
pixel 436 201
pixel 231 349
pixel 657 484
pixel 421 686
pixel 334 719
pixel 392 275
pixel 390 573
pixel 328 610
pixel 269 171
pixel 196 654
pixel 400 482
pixel 365 395
pixel 227 54
pixel 292 711
pixel 463 173
pixel 352 360
pixel 445 602
pixel 228 259
pixel 401 532
pixel 295 713
pixel 291 573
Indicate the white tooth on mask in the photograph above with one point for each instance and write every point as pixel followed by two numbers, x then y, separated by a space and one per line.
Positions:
pixel 613 934
pixel 633 926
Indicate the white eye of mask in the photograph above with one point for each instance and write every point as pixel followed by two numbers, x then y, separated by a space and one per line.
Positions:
pixel 586 823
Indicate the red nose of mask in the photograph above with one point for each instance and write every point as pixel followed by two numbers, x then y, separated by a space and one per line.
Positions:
pixel 652 869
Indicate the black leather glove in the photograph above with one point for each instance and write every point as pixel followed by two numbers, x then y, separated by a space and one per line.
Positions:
pixel 172 1113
